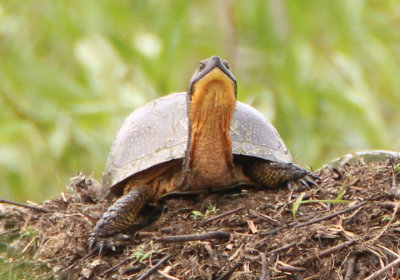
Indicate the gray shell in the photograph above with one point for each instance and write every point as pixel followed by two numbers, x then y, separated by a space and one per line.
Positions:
pixel 158 132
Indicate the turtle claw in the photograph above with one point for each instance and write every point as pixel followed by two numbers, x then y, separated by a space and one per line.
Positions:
pixel 104 245
pixel 313 177
pixel 304 183
pixel 308 180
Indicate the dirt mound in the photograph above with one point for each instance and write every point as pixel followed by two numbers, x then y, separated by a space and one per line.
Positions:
pixel 346 228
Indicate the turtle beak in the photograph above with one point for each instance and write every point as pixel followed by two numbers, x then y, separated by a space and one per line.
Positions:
pixel 211 64
pixel 212 69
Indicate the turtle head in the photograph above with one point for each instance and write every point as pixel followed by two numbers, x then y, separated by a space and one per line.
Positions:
pixel 210 72
pixel 212 92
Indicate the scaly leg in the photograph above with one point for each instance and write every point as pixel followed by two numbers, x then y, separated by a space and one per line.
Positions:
pixel 119 217
pixel 273 174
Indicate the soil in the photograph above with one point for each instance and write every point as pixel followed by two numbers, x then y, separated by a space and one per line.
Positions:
pixel 345 228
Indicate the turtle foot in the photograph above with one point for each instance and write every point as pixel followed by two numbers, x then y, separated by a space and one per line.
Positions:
pixel 275 174
pixel 107 244
pixel 119 217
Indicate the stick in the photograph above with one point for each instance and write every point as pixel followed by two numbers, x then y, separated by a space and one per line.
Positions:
pixel 116 266
pixel 277 250
pixel 194 237
pixel 298 225
pixel 134 269
pixel 382 270
pixel 325 253
pixel 394 183
pixel 263 217
pixel 287 267
pixel 226 275
pixel 279 229
pixel 280 249
pixel 155 268
pixel 388 204
pixel 264 267
pixel 206 221
pixel 289 225
pixel 331 215
pixel 350 268
pixel 40 209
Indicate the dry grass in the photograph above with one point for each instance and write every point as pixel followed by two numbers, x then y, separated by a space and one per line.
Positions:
pixel 350 240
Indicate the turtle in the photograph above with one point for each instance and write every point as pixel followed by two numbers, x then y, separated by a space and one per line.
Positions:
pixel 191 142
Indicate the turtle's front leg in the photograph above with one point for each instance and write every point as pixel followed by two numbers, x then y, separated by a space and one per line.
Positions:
pixel 273 174
pixel 119 217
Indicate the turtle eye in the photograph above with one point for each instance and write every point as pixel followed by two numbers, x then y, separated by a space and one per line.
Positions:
pixel 227 65
pixel 201 66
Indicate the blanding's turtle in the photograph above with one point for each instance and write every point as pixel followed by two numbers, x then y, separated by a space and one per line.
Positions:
pixel 191 142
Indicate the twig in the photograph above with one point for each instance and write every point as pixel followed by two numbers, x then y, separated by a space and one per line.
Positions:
pixel 277 250
pixel 194 237
pixel 28 245
pixel 396 208
pixel 325 253
pixel 134 269
pixel 280 249
pixel 226 275
pixel 116 266
pixel 40 209
pixel 279 229
pixel 388 204
pixel 9 232
pixel 155 268
pixel 206 221
pixel 349 209
pixel 289 267
pixel 264 267
pixel 263 217
pixel 349 219
pixel 298 225
pixel 291 224
pixel 394 183
pixel 166 275
pixel 382 270
pixel 394 254
pixel 350 268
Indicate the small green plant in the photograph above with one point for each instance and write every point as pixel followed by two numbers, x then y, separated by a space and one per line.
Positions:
pixel 300 200
pixel 211 209
pixel 386 218
pixel 341 193
pixel 142 255
pixel 296 204
pixel 29 233
pixel 197 214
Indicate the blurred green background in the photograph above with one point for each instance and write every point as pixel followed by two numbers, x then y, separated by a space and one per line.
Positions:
pixel 326 73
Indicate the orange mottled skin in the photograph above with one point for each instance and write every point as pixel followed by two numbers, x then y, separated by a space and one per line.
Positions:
pixel 211 111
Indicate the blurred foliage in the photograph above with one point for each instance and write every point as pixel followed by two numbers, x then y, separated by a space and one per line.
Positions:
pixel 325 72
